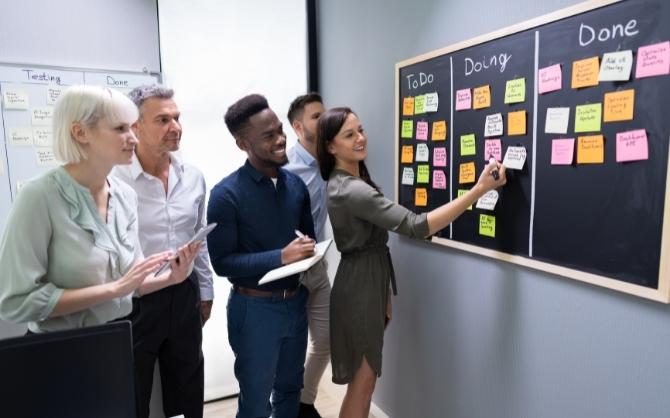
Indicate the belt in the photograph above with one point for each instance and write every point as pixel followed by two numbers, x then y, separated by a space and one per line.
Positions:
pixel 384 250
pixel 281 294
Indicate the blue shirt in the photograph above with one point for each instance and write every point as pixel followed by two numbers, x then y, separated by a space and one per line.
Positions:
pixel 303 164
pixel 255 221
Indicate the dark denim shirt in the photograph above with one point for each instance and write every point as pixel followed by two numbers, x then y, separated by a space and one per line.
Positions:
pixel 255 221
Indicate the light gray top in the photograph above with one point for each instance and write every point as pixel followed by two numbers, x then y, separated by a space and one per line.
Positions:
pixel 55 239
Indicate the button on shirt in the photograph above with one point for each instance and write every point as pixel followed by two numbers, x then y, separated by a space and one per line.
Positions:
pixel 301 162
pixel 166 222
pixel 256 220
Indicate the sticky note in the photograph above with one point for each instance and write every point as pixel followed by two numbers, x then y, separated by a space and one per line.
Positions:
pixel 408 106
pixel 516 123
pixel 422 130
pixel 515 158
pixel 422 153
pixel 440 157
pixel 43 136
pixel 468 144
pixel 492 148
pixel 15 99
pixel 482 97
pixel 515 90
pixel 488 201
pixel 493 125
pixel 632 146
pixel 439 130
pixel 45 157
pixel 21 137
pixel 407 155
pixel 556 121
pixel 42 115
pixel 407 129
pixel 487 225
pixel 587 118
pixel 550 78
pixel 619 105
pixel 616 66
pixel 590 149
pixel 461 192
pixel 653 60
pixel 463 99
pixel 53 93
pixel 421 197
pixel 585 73
pixel 432 102
pixel 466 173
pixel 419 104
pixel 422 173
pixel 562 151
pixel 408 176
pixel 439 180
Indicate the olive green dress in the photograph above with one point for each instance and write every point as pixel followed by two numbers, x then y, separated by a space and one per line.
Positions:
pixel 361 216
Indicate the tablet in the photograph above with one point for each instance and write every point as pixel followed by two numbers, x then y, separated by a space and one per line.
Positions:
pixel 199 236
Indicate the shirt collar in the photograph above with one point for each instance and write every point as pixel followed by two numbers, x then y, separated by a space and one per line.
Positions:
pixel 305 155
pixel 136 168
pixel 256 175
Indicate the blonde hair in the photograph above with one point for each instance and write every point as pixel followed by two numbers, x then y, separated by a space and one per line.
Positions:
pixel 87 105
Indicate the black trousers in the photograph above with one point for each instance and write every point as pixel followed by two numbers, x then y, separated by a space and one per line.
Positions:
pixel 167 327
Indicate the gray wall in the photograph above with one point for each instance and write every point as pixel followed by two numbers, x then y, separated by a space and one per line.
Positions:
pixel 474 337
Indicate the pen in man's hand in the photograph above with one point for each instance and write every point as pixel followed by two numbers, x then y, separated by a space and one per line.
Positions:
pixel 300 234
pixel 494 173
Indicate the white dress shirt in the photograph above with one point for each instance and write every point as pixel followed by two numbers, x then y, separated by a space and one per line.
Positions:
pixel 167 222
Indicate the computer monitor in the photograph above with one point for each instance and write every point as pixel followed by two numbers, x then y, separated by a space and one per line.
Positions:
pixel 81 373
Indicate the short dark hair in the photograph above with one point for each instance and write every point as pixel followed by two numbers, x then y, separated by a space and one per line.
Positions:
pixel 297 107
pixel 238 113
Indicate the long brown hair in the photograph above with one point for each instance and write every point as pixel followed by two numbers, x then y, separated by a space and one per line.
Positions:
pixel 328 126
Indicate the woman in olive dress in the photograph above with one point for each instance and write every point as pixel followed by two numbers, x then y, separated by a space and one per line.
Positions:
pixel 360 306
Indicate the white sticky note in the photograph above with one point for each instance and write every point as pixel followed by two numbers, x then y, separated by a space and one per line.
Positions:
pixel 15 99
pixel 488 201
pixel 557 120
pixel 494 125
pixel 408 176
pixel 53 93
pixel 422 153
pixel 431 102
pixel 21 137
pixel 515 158
pixel 42 116
pixel 616 66
pixel 42 136
pixel 45 157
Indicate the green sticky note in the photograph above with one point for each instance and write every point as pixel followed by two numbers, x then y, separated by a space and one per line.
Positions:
pixel 407 129
pixel 468 144
pixel 423 172
pixel 515 90
pixel 461 192
pixel 487 225
pixel 420 104
pixel 587 117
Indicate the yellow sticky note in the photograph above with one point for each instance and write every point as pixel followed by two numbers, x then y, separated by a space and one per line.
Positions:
pixel 585 73
pixel 619 105
pixel 420 104
pixel 515 90
pixel 516 123
pixel 482 97
pixel 407 129
pixel 421 197
pixel 590 149
pixel 461 192
pixel 466 173
pixel 487 225
pixel 407 156
pixel 408 106
pixel 423 174
pixel 587 117
pixel 439 130
pixel 468 146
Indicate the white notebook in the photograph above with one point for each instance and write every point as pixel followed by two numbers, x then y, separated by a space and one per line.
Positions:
pixel 298 266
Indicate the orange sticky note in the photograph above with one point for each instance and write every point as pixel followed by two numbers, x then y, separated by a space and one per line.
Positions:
pixel 516 123
pixel 585 72
pixel 439 130
pixel 408 106
pixel 619 105
pixel 466 173
pixel 590 149
pixel 407 154
pixel 482 97
pixel 421 197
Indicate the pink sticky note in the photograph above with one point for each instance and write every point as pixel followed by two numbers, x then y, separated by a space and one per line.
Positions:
pixel 492 148
pixel 562 151
pixel 550 78
pixel 440 157
pixel 422 131
pixel 653 60
pixel 463 99
pixel 439 180
pixel 632 146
